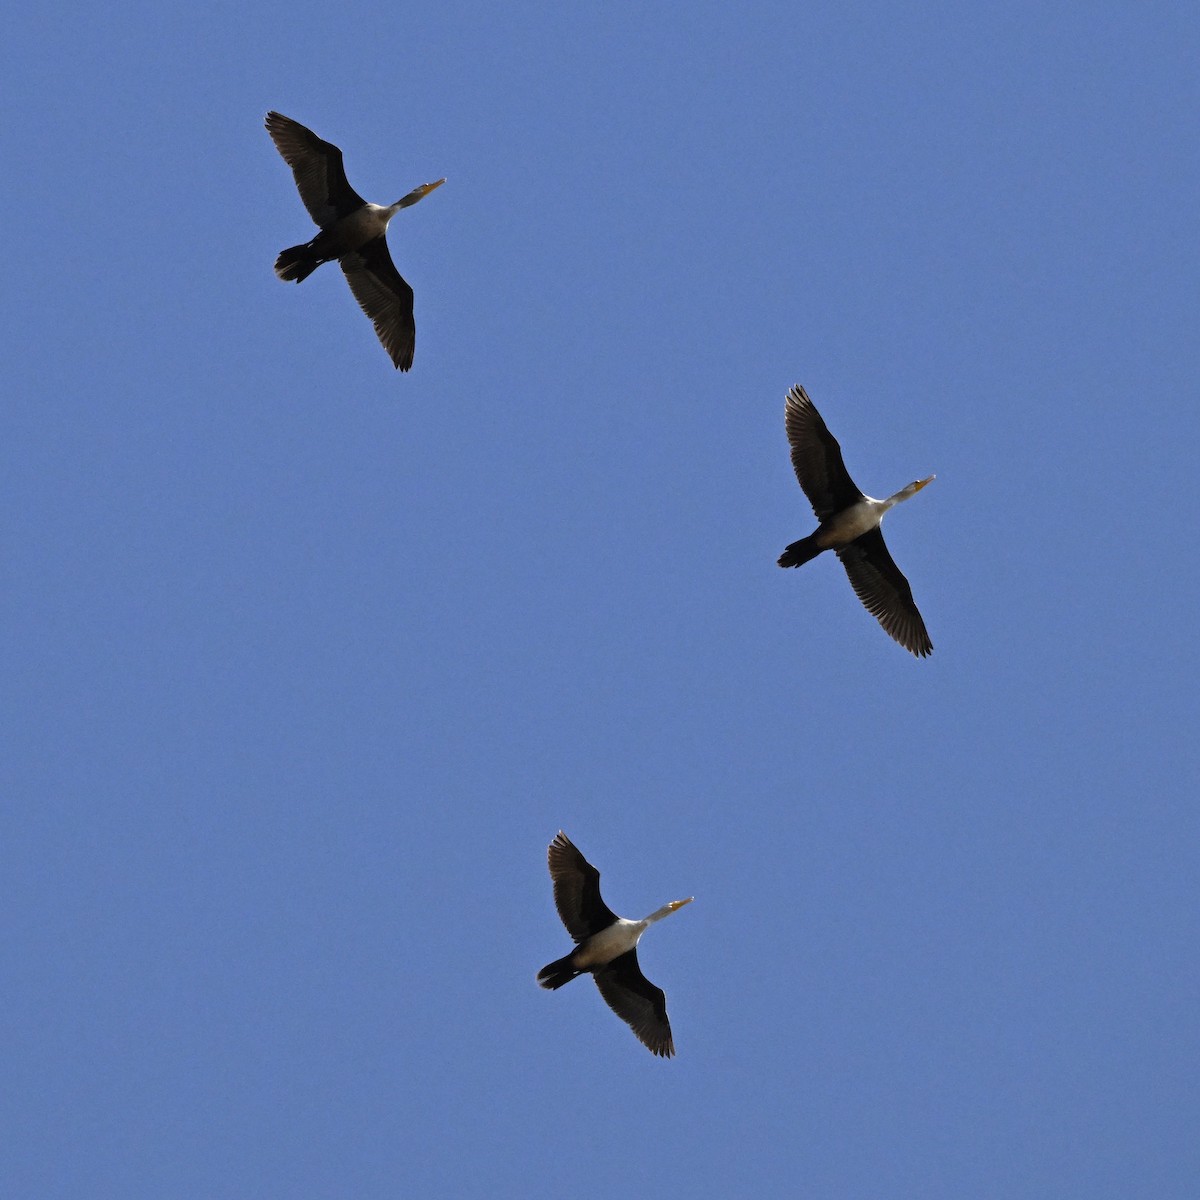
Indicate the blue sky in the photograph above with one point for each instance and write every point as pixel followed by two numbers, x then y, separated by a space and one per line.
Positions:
pixel 307 661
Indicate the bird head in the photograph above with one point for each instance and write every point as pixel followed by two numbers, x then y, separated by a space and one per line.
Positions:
pixel 418 193
pixel 667 910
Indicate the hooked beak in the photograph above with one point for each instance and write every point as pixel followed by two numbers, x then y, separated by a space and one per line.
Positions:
pixel 419 193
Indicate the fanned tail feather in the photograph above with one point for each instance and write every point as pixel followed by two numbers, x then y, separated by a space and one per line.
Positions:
pixel 296 263
pixel 555 974
pixel 798 553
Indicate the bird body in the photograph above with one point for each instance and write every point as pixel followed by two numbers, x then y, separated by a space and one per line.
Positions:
pixel 852 522
pixel 346 235
pixel 606 946
pixel 850 525
pixel 619 938
pixel 354 230
pixel 352 233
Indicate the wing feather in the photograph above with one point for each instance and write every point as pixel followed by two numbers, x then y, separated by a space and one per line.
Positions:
pixel 885 592
pixel 817 458
pixel 577 890
pixel 385 297
pixel 317 167
pixel 641 1005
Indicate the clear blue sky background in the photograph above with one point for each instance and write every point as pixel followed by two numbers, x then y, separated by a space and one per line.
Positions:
pixel 306 661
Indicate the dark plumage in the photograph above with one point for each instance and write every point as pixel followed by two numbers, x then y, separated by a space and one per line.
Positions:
pixel 352 233
pixel 607 947
pixel 850 525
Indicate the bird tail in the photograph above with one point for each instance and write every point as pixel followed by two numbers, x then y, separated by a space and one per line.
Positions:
pixel 798 553
pixel 555 974
pixel 297 263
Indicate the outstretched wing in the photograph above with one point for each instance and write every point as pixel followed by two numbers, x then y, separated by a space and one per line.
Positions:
pixel 817 458
pixel 385 297
pixel 884 591
pixel 577 890
pixel 641 1005
pixel 317 166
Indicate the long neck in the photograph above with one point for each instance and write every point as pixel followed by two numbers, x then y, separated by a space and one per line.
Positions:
pixel 903 494
pixel 665 911
pixel 373 218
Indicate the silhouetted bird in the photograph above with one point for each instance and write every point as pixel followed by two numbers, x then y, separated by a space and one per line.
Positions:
pixel 607 947
pixel 352 232
pixel 850 525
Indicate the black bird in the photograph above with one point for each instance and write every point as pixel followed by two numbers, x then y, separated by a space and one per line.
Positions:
pixel 352 232
pixel 849 525
pixel 607 947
